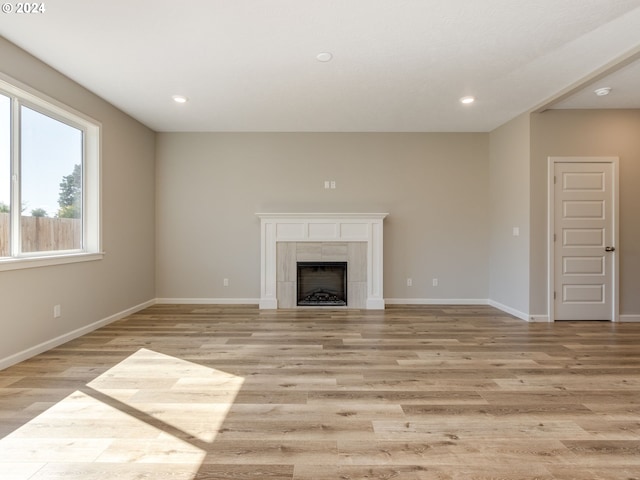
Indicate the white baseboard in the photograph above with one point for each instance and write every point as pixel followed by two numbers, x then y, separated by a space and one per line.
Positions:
pixel 629 318
pixel 55 342
pixel 539 318
pixel 209 301
pixel 436 301
pixel 511 311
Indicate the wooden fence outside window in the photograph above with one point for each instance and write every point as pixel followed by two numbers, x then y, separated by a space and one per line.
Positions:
pixel 42 234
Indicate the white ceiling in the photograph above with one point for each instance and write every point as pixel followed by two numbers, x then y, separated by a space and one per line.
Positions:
pixel 625 91
pixel 398 65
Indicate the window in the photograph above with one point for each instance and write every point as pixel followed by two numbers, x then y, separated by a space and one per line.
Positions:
pixel 5 175
pixel 49 181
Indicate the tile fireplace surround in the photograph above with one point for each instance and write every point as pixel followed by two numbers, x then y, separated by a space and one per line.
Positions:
pixel 320 228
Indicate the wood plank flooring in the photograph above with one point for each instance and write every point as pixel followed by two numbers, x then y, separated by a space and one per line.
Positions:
pixel 416 393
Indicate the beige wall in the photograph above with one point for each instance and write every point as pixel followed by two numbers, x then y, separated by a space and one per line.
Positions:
pixel 88 292
pixel 509 254
pixel 434 186
pixel 587 133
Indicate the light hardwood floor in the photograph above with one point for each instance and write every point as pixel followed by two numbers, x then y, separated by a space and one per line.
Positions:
pixel 416 393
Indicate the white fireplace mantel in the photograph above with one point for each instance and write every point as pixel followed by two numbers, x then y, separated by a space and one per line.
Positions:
pixel 320 227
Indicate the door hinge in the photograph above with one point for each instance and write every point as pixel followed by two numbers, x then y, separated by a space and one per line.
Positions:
pixel 555 179
pixel 554 295
pixel 554 237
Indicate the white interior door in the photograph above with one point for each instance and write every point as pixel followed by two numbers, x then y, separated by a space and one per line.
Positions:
pixel 584 237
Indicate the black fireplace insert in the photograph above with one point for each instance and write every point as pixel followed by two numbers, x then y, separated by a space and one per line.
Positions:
pixel 322 283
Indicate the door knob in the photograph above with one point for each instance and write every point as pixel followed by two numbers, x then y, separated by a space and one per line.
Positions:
pixel 609 249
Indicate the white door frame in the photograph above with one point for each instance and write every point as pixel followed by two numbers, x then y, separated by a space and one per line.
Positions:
pixel 551 229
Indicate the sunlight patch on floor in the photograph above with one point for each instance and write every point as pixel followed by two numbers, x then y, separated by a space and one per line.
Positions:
pixel 192 398
pixel 143 413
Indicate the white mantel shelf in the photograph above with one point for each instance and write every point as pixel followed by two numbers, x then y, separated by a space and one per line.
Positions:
pixel 320 227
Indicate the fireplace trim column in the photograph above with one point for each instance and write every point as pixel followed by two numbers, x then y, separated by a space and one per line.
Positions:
pixel 321 227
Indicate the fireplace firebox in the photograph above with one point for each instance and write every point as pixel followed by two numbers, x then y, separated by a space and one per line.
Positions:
pixel 322 283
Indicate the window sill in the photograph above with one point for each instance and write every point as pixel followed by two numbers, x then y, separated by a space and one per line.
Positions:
pixel 47 261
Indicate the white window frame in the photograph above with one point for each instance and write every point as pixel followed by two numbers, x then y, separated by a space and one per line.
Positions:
pixel 23 95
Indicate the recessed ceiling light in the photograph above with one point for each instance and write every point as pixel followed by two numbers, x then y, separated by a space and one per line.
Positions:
pixel 180 99
pixel 324 57
pixel 467 100
pixel 601 92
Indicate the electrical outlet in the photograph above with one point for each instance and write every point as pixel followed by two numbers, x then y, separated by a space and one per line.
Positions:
pixel 225 282
pixel 327 184
pixel 57 311
pixel 333 184
pixel 409 282
pixel 435 282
